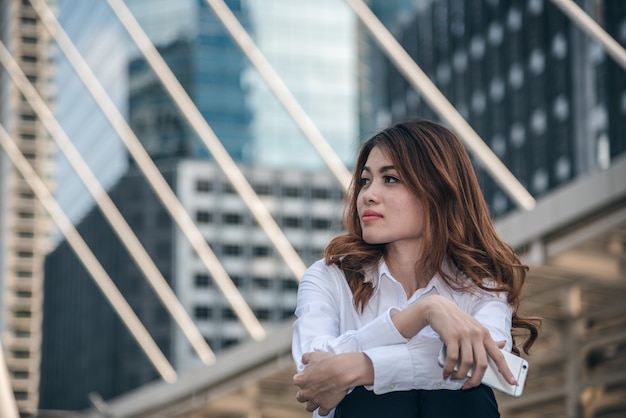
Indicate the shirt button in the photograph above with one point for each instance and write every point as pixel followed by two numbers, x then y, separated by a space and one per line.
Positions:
pixel 438 384
pixel 392 386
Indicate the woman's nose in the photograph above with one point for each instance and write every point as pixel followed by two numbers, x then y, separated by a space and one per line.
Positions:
pixel 369 194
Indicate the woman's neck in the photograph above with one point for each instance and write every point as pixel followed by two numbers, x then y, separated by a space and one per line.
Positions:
pixel 402 264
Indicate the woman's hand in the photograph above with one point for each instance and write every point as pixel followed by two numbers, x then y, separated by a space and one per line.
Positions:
pixel 467 342
pixel 327 377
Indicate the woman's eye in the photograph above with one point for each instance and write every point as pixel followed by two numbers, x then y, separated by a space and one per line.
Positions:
pixel 391 179
pixel 363 181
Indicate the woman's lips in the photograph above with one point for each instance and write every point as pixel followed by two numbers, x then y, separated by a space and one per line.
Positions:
pixel 370 215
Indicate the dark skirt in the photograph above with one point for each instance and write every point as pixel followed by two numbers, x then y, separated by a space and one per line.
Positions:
pixel 478 402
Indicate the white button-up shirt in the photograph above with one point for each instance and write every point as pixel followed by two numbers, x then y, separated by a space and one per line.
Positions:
pixel 328 321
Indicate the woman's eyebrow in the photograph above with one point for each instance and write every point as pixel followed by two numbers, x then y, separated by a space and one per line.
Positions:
pixel 382 169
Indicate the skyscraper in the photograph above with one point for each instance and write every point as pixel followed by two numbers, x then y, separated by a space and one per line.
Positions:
pixel 24 225
pixel 542 95
pixel 310 45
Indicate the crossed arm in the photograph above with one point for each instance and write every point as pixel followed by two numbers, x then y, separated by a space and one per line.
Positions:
pixel 326 377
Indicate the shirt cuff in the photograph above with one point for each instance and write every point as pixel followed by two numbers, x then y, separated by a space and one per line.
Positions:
pixel 393 368
pixel 380 332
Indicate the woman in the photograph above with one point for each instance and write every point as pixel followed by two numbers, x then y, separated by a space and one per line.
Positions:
pixel 420 264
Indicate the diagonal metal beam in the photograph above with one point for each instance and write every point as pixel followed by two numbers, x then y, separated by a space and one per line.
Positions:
pixel 280 90
pixel 150 171
pixel 137 251
pixel 91 263
pixel 593 29
pixel 8 405
pixel 440 105
pixel 190 111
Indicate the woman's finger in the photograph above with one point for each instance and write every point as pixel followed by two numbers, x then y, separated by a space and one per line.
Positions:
pixel 452 357
pixel 466 361
pixel 498 358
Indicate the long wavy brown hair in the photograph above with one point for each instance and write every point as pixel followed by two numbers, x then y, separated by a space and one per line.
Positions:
pixel 434 165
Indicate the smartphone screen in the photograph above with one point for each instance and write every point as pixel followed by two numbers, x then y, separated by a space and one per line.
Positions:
pixel 493 378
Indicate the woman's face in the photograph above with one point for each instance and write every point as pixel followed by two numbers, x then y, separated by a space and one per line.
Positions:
pixel 388 211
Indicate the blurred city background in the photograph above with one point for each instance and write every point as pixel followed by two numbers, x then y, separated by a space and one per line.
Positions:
pixel 168 170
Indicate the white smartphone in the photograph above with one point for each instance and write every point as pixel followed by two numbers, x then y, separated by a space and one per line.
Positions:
pixel 493 378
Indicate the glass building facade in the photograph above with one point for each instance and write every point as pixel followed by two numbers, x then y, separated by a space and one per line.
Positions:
pixel 311 45
pixel 526 79
pixel 101 44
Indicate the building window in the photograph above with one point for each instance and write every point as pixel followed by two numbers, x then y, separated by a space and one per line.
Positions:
pixel 261 251
pixel 28 21
pixel 262 313
pixel 292 222
pixel 23 314
pixel 232 219
pixel 28 117
pixel 20 374
pixel 292 191
pixel 232 250
pixel 229 342
pixel 286 313
pixel 228 313
pixel 261 282
pixel 20 395
pixel 21 354
pixel 318 193
pixel 202 312
pixel 29 58
pixel 263 189
pixel 321 223
pixel 203 217
pixel 289 285
pixel 202 280
pixel 203 186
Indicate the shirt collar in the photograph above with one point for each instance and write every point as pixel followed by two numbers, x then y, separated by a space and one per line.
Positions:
pixel 374 276
pixel 382 272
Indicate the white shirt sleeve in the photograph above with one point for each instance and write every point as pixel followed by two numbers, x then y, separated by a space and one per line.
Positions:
pixel 319 321
pixel 496 315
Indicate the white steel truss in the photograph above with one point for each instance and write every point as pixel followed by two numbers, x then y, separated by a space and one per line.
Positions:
pixel 190 111
pixel 591 28
pixel 151 172
pixel 137 251
pixel 91 263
